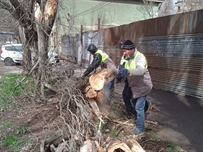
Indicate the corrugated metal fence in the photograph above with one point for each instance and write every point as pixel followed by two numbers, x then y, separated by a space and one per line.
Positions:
pixel 173 46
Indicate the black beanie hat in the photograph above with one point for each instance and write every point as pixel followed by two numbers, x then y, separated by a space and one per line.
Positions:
pixel 128 45
pixel 92 48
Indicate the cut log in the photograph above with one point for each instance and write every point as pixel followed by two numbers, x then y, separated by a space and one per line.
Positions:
pixel 97 82
pixel 118 145
pixel 130 146
pixel 100 78
pixel 87 88
pixel 91 94
pixel 99 97
pixel 134 146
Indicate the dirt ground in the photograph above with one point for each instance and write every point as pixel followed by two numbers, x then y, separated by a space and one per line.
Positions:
pixel 42 119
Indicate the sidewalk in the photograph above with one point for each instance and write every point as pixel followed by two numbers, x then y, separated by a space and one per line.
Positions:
pixel 180 118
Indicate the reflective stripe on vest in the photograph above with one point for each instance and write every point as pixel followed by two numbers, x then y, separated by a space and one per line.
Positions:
pixel 133 63
pixel 103 55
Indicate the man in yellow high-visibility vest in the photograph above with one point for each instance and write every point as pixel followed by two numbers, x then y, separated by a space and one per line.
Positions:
pixel 99 57
pixel 138 84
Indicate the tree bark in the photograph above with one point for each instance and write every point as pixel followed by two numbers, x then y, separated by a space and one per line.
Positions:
pixel 33 32
pixel 45 21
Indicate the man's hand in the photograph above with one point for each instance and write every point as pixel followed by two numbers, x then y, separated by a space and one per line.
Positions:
pixel 122 72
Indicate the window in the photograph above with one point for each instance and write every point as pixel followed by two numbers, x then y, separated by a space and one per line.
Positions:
pixel 14 48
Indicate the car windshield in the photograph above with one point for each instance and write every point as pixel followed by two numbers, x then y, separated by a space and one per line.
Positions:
pixel 14 48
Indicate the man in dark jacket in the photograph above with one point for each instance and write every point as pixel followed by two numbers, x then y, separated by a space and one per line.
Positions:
pixel 99 57
pixel 138 84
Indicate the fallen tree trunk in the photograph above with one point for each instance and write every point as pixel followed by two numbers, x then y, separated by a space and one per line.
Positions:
pixel 96 83
pixel 100 78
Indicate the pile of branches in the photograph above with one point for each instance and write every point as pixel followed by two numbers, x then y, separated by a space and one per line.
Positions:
pixel 81 131
pixel 75 112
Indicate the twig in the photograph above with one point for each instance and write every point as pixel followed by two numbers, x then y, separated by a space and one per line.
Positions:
pixel 154 107
pixel 23 79
pixel 120 122
pixel 151 122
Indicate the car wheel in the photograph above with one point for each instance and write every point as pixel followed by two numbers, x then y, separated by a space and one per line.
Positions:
pixel 8 61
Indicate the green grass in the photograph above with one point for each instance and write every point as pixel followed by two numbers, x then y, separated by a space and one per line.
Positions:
pixel 7 125
pixel 14 143
pixel 10 81
pixel 113 133
pixel 21 130
pixel 9 91
pixel 154 136
pixel 171 147
pixel 11 140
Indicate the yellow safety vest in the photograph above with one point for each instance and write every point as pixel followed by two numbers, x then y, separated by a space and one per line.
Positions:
pixel 133 63
pixel 103 55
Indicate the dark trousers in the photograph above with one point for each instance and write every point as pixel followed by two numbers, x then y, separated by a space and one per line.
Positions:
pixel 127 96
pixel 109 91
pixel 129 101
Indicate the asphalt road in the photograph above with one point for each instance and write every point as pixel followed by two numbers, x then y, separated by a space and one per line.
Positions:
pixel 9 69
pixel 180 118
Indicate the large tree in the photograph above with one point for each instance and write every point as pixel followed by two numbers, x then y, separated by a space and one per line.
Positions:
pixel 34 19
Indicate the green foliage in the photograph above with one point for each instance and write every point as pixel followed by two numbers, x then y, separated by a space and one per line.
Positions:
pixel 16 111
pixel 9 90
pixel 105 126
pixel 7 125
pixel 21 130
pixel 86 79
pixel 113 133
pixel 171 147
pixel 10 81
pixel 153 136
pixel 120 135
pixel 14 143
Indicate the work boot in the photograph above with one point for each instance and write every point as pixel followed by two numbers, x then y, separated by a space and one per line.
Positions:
pixel 137 132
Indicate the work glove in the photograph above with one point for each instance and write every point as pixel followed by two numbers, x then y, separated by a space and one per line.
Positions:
pixel 122 72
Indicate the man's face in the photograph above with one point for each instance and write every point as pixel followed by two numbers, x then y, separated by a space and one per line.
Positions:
pixel 127 53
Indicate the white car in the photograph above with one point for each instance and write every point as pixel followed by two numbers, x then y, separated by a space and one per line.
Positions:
pixel 12 54
pixel 53 57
